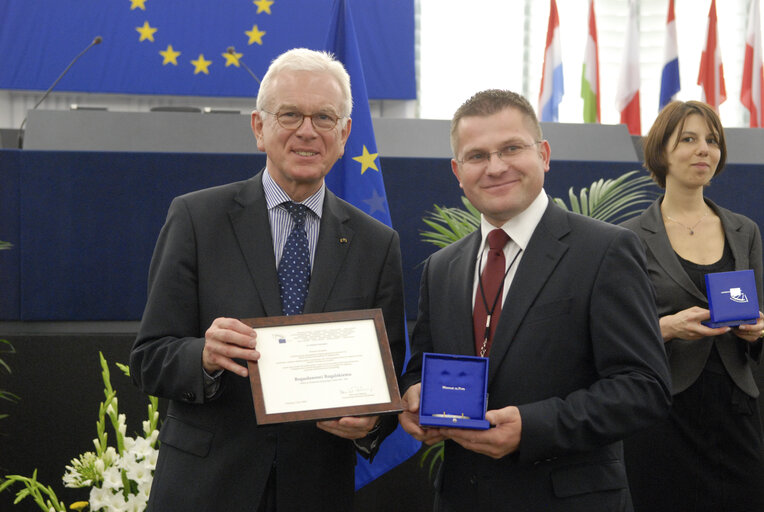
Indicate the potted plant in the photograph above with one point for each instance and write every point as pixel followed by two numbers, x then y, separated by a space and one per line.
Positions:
pixel 118 477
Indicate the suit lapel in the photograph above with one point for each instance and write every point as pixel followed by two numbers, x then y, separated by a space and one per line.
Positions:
pixel 460 282
pixel 334 241
pixel 542 255
pixel 738 241
pixel 249 218
pixel 658 243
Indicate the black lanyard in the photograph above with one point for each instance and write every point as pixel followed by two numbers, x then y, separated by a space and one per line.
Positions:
pixel 499 293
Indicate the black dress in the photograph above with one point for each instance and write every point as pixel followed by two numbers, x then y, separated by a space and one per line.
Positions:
pixel 708 454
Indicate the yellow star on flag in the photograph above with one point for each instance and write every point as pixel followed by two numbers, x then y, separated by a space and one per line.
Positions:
pixel 255 35
pixel 170 56
pixel 263 5
pixel 232 59
pixel 367 160
pixel 146 32
pixel 201 65
pixel 138 4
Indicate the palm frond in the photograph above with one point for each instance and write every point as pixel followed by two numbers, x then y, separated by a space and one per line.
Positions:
pixel 450 224
pixel 613 200
pixel 435 452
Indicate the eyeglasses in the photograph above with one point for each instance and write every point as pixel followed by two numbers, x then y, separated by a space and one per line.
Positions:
pixel 505 154
pixel 292 119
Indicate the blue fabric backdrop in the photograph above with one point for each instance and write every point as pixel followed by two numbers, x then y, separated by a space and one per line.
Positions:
pixel 84 224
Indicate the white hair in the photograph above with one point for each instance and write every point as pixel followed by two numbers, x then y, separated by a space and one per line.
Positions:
pixel 303 59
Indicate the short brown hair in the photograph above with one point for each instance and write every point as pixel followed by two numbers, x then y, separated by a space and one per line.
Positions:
pixel 489 102
pixel 672 116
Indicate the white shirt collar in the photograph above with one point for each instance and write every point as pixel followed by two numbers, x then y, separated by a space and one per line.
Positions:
pixel 520 228
pixel 275 195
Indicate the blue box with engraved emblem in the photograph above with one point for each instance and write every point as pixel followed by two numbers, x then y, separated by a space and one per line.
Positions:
pixel 732 298
pixel 454 391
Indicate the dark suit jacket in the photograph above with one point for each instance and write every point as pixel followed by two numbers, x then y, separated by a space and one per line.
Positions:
pixel 214 257
pixel 676 292
pixel 577 349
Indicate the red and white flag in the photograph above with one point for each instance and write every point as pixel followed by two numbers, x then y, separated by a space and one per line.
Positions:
pixel 751 92
pixel 711 74
pixel 627 94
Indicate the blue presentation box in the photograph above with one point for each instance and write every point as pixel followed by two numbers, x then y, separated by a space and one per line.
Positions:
pixel 454 391
pixel 732 298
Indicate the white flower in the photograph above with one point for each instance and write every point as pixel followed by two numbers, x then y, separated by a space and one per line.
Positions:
pixel 82 472
pixel 112 478
pixel 121 426
pixel 141 448
pixel 108 473
pixel 113 406
pixel 135 503
pixel 100 466
pixel 152 459
pixel 138 472
pixel 110 456
pixel 99 498
pixel 116 503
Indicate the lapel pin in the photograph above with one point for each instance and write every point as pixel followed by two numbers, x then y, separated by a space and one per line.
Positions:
pixel 343 240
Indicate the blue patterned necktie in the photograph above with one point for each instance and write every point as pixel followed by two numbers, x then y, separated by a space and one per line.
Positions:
pixel 294 268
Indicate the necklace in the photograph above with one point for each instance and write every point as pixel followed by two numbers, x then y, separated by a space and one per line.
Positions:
pixel 690 229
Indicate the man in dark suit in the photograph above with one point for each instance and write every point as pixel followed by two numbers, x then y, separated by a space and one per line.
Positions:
pixel 575 358
pixel 216 262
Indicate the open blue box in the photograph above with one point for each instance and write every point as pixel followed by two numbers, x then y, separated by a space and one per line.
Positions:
pixel 454 391
pixel 732 298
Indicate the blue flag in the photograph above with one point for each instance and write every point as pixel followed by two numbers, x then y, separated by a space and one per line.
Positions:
pixel 181 48
pixel 357 178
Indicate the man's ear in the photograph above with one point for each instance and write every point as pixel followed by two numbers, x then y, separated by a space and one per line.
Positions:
pixel 455 170
pixel 257 129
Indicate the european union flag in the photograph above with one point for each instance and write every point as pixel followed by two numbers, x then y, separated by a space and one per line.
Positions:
pixel 357 178
pixel 181 48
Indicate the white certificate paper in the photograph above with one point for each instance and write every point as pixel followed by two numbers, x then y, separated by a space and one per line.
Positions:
pixel 322 366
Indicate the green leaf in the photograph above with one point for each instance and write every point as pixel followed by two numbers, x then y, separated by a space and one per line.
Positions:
pixel 574 205
pixel 585 207
pixel 450 224
pixel 125 368
pixel 6 348
pixel 437 452
pixel 559 202
pixel 7 395
pixel 614 200
pixel 7 483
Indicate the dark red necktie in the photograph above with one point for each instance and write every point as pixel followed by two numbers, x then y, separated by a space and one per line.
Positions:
pixel 488 296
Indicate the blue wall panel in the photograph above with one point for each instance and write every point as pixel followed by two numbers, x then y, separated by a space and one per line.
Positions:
pixel 84 224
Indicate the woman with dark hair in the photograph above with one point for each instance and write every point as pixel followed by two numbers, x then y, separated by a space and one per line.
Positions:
pixel 708 454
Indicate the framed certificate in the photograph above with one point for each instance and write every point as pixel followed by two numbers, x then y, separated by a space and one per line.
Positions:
pixel 322 366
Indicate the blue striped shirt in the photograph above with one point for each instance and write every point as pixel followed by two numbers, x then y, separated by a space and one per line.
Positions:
pixel 281 221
